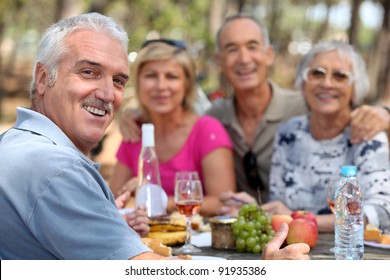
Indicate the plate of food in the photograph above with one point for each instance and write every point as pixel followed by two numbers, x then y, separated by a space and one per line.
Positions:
pixel 376 244
pixel 198 223
pixel 158 247
pixel 375 237
pixel 207 258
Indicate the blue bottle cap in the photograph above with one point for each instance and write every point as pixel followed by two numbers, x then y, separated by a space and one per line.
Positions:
pixel 348 170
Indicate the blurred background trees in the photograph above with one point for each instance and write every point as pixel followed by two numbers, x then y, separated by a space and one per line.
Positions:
pixel 294 26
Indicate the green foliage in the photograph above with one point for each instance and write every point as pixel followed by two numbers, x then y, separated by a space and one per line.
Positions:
pixel 183 20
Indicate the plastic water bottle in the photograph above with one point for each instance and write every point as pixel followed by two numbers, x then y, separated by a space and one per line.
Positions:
pixel 349 226
pixel 149 191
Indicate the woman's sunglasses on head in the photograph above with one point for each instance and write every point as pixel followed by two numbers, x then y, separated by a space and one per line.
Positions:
pixel 174 43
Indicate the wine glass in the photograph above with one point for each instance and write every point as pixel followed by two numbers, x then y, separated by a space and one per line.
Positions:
pixel 333 184
pixel 186 175
pixel 330 193
pixel 188 199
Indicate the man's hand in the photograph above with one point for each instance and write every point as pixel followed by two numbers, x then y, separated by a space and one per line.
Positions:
pixel 276 207
pixel 128 127
pixel 272 251
pixel 138 220
pixel 122 199
pixel 367 121
pixel 232 202
pixel 130 186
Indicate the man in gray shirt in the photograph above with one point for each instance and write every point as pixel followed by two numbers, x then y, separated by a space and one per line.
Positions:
pixel 258 106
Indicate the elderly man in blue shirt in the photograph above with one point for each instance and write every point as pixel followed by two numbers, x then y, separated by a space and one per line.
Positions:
pixel 54 204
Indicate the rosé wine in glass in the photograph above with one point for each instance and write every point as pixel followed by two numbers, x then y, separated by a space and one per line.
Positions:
pixel 188 199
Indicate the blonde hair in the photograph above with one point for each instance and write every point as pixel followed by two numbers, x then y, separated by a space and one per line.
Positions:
pixel 158 51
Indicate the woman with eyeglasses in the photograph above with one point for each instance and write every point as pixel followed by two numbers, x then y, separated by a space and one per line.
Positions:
pixel 309 150
pixel 165 87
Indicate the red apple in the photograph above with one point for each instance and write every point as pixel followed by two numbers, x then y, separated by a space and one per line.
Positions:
pixel 303 214
pixel 302 230
pixel 278 220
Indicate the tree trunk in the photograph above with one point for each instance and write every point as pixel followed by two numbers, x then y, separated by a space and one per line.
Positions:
pixel 1 69
pixel 232 7
pixel 382 86
pixel 353 32
pixel 98 6
pixel 67 8
pixel 274 21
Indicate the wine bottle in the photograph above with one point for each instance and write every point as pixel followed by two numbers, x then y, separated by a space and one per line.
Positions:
pixel 150 191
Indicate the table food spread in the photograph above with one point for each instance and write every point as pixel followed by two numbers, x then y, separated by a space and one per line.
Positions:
pixel 169 232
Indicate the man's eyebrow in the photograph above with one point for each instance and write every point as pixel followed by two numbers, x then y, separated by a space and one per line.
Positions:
pixel 124 76
pixel 230 44
pixel 93 63
pixel 227 45
pixel 87 62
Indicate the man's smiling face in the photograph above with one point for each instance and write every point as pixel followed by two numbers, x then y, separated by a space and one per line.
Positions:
pixel 89 87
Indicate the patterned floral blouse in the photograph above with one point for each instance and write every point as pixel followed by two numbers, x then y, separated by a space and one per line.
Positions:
pixel 302 167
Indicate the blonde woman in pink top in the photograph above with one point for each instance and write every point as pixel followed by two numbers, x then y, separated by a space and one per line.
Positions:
pixel 165 87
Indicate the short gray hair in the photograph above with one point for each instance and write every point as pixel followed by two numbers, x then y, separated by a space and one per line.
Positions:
pixel 52 47
pixel 361 81
pixel 263 29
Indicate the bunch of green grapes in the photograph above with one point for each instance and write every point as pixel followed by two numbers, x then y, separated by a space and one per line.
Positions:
pixel 252 229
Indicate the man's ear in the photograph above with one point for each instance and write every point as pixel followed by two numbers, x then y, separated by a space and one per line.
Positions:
pixel 41 80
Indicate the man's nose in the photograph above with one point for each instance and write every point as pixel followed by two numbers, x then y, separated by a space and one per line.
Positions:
pixel 106 90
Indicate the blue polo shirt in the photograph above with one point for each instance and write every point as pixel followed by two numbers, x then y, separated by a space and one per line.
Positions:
pixel 54 204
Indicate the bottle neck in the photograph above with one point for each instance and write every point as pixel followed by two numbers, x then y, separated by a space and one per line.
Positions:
pixel 148 139
pixel 147 135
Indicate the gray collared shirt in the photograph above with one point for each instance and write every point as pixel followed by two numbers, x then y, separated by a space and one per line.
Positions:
pixel 284 104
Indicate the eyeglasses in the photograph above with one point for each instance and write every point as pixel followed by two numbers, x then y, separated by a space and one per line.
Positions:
pixel 174 43
pixel 339 78
pixel 251 171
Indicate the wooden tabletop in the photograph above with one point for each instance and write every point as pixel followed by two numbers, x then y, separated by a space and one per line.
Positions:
pixel 320 252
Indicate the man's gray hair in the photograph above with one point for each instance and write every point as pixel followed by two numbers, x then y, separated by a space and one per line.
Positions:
pixel 361 81
pixel 263 29
pixel 52 47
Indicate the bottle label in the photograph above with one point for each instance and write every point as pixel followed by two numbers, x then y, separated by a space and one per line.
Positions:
pixel 154 198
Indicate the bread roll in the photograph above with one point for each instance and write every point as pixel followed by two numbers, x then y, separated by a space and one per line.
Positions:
pixel 156 245
pixel 372 233
pixel 385 239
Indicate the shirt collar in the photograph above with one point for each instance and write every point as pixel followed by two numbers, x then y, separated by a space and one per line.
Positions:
pixel 30 120
pixel 229 115
pixel 273 113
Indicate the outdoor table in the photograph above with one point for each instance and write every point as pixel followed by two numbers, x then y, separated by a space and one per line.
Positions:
pixel 320 252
